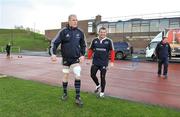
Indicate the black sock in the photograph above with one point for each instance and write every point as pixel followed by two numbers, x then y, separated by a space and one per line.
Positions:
pixel 77 84
pixel 65 87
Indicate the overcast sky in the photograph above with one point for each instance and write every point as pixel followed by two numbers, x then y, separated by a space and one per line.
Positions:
pixel 48 14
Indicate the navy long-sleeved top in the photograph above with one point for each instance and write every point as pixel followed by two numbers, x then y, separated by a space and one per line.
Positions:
pixel 101 49
pixel 163 50
pixel 72 42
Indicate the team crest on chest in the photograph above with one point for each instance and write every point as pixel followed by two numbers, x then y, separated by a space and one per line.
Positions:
pixel 78 35
pixel 67 35
pixel 96 42
pixel 106 42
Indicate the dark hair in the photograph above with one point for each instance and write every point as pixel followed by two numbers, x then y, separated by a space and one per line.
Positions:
pixel 102 28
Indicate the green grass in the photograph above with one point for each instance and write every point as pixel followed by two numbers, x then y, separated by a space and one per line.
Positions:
pixel 22 98
pixel 26 40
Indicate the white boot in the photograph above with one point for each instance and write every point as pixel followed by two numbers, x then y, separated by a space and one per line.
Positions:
pixel 101 94
pixel 97 88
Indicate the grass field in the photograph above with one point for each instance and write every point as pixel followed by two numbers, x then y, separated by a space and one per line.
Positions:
pixel 22 98
pixel 26 40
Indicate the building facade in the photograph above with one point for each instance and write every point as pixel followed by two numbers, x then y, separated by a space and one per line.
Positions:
pixel 137 31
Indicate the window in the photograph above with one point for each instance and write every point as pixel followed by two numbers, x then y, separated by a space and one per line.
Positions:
pixel 164 23
pixel 90 27
pixel 127 26
pixel 112 28
pixel 136 26
pixel 119 27
pixel 145 26
pixel 174 23
pixel 153 45
pixel 154 25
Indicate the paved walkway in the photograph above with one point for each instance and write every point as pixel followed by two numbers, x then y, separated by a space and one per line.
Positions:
pixel 125 80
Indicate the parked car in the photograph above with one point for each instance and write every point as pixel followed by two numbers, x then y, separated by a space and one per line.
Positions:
pixel 122 50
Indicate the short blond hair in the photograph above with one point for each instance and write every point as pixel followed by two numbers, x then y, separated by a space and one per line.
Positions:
pixel 70 16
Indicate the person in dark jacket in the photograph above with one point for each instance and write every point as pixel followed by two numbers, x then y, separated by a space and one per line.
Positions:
pixel 73 47
pixel 163 53
pixel 8 50
pixel 101 47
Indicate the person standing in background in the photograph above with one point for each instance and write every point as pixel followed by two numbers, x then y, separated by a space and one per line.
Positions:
pixel 8 50
pixel 163 54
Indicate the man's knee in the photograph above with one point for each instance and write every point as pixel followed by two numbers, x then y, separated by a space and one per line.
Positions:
pixel 77 71
pixel 66 70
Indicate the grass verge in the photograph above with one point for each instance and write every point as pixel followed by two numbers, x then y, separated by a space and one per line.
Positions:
pixel 22 98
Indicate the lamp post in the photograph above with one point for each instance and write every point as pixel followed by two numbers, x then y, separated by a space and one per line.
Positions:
pixel 34 29
pixel 12 37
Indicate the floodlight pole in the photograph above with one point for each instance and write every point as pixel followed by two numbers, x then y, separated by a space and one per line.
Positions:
pixel 34 29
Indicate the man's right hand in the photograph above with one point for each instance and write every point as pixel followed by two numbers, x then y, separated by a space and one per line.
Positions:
pixel 53 58
pixel 112 64
pixel 82 58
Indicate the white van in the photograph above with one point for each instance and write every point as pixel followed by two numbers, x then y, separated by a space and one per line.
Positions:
pixel 173 36
pixel 150 49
